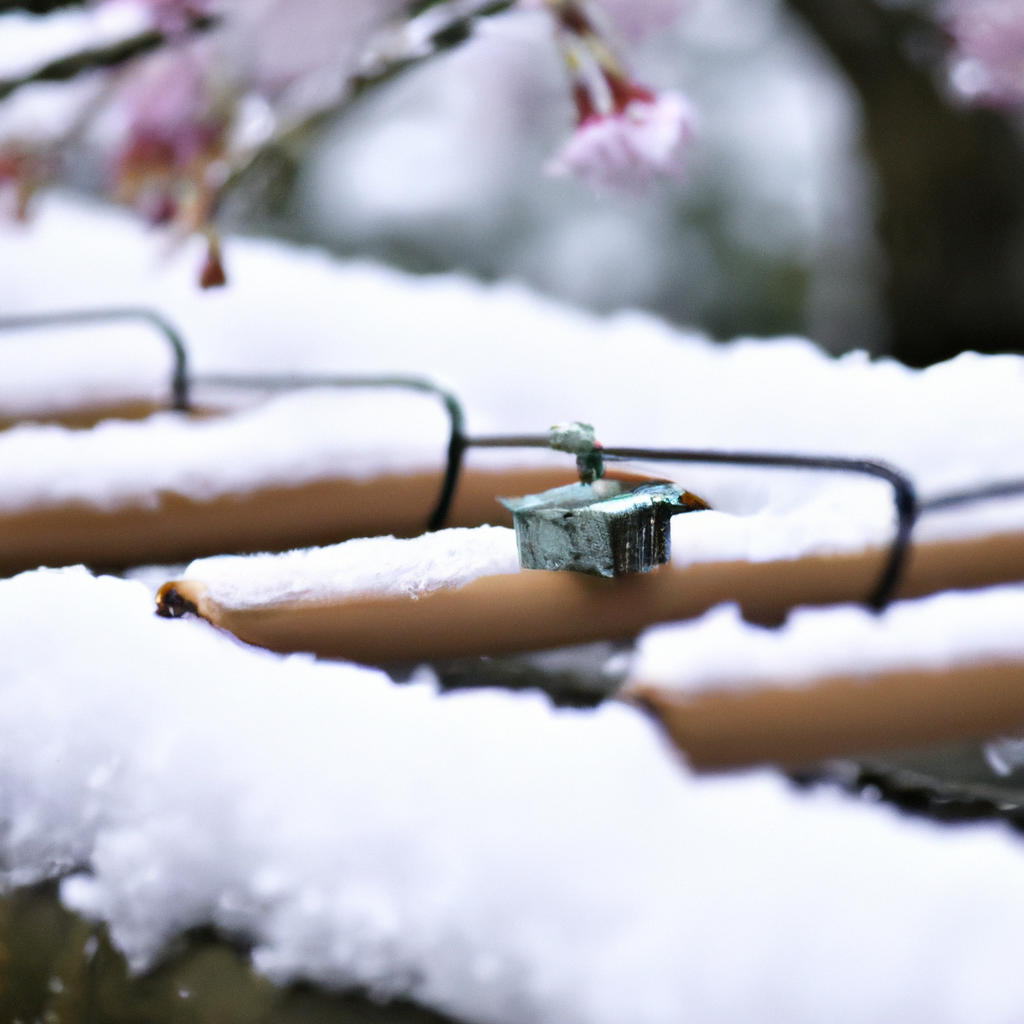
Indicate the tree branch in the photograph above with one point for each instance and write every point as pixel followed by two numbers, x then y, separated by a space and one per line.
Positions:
pixel 65 68
pixel 38 6
pixel 439 26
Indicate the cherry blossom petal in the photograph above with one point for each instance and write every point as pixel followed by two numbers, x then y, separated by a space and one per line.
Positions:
pixel 174 16
pixel 624 152
pixel 988 64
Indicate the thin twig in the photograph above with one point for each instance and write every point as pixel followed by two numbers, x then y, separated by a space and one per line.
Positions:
pixel 114 54
pixel 435 27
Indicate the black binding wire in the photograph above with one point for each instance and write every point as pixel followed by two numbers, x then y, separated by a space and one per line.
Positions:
pixel 904 495
pixel 903 489
pixel 456 418
pixel 75 318
pixel 908 507
pixel 956 499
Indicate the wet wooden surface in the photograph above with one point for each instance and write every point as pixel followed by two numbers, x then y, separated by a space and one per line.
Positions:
pixel 56 968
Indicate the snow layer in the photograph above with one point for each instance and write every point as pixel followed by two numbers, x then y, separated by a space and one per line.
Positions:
pixel 515 359
pixel 365 567
pixel 44 371
pixel 293 439
pixel 722 651
pixel 30 41
pixel 481 852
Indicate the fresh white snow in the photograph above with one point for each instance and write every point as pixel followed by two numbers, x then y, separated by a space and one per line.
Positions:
pixel 49 370
pixel 521 363
pixel 481 852
pixel 360 568
pixel 722 651
pixel 292 439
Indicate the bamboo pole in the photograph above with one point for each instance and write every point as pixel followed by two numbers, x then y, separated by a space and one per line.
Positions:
pixel 533 609
pixel 839 716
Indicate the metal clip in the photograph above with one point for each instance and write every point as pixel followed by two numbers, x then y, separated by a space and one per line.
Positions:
pixel 598 526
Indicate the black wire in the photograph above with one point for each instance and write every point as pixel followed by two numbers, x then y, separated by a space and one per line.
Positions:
pixel 903 489
pixel 182 382
pixel 456 418
pixel 904 496
pixel 1006 489
pixel 73 318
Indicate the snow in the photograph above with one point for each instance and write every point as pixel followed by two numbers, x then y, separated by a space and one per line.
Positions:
pixel 30 41
pixel 290 440
pixel 360 568
pixel 520 363
pixel 722 651
pixel 481 852
pixel 50 370
pixel 45 113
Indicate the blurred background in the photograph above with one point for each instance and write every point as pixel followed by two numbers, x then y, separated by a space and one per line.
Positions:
pixel 771 232
pixel 839 187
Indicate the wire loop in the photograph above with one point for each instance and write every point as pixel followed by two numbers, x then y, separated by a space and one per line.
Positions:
pixel 75 318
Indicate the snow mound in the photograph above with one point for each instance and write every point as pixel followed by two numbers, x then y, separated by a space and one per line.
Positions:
pixel 293 439
pixel 480 852
pixel 49 371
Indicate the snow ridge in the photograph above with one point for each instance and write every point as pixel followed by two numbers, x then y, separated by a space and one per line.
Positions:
pixel 365 567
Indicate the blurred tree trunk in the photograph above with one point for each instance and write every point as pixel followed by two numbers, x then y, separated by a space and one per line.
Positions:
pixel 951 187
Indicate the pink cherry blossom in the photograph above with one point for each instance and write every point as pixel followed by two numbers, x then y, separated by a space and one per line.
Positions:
pixel 181 109
pixel 166 102
pixel 296 54
pixel 625 150
pixel 626 134
pixel 988 63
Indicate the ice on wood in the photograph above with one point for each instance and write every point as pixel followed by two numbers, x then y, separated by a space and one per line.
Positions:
pixel 481 852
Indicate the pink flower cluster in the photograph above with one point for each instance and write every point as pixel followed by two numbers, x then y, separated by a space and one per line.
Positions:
pixel 182 109
pixel 21 172
pixel 175 16
pixel 626 149
pixel 627 135
pixel 988 62
pixel 229 76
